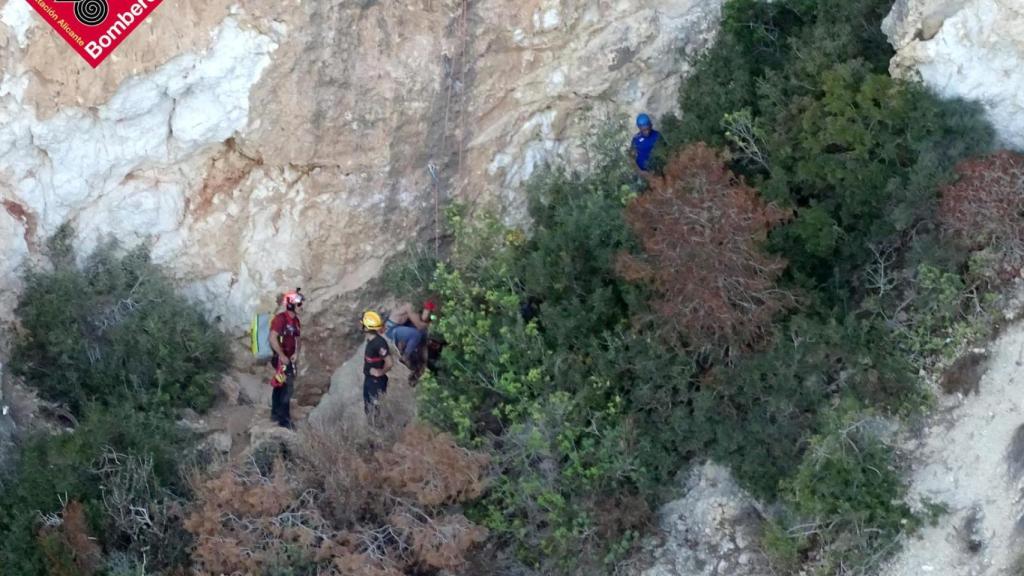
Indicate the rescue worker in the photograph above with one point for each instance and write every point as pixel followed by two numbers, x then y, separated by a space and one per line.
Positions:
pixel 644 142
pixel 376 365
pixel 407 328
pixel 285 333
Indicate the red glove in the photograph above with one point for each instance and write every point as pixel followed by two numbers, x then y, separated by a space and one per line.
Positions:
pixel 279 377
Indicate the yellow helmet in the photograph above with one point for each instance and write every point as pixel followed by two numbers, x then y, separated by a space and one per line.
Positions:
pixel 372 321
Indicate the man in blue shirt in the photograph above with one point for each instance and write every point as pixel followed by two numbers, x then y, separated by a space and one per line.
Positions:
pixel 644 142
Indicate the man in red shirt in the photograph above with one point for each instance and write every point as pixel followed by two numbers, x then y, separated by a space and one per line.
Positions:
pixel 285 330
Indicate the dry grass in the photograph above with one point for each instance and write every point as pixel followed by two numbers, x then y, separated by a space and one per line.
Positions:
pixel 343 503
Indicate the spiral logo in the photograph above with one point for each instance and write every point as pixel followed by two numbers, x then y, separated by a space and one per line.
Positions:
pixel 91 12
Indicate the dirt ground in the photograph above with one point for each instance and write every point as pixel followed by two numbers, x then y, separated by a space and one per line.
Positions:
pixel 961 460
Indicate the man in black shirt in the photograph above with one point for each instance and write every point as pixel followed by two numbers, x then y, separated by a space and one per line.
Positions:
pixel 376 365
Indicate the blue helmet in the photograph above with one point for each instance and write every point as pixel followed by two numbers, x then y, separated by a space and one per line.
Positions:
pixel 643 121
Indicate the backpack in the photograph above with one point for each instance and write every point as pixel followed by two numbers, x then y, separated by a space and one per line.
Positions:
pixel 260 335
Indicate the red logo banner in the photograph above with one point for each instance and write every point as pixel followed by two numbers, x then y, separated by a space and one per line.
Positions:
pixel 94 28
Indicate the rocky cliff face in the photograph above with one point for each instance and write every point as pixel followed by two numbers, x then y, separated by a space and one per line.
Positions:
pixel 971 49
pixel 269 145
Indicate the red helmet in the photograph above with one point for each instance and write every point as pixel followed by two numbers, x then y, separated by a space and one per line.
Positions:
pixel 293 300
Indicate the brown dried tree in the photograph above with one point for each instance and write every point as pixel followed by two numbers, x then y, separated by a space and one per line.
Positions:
pixel 68 547
pixel 984 208
pixel 702 231
pixel 400 517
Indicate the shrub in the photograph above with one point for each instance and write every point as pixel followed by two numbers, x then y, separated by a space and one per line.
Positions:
pixel 113 330
pixel 550 397
pixel 409 275
pixel 585 406
pixel 569 261
pixel 760 40
pixel 587 411
pixel 52 469
pixel 939 318
pixel 782 549
pixel 143 517
pixel 702 231
pixel 930 309
pixel 861 161
pixel 984 209
pixel 850 498
pixel 757 414
pixel 819 127
pixel 398 498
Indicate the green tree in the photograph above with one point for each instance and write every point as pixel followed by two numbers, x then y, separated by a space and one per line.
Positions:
pixel 113 330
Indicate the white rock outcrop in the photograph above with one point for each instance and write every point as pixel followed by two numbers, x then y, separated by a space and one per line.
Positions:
pixel 970 49
pixel 714 529
pixel 267 145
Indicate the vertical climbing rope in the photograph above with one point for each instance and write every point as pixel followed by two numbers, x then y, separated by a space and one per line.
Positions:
pixel 451 73
pixel 462 81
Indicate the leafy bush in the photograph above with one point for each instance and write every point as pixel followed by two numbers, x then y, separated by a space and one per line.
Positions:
pixel 938 318
pixel 52 469
pixel 550 397
pixel 68 547
pixel 757 414
pixel 588 409
pixel 799 91
pixel 763 40
pixel 113 330
pixel 111 340
pixel 846 483
pixel 410 273
pixel 862 164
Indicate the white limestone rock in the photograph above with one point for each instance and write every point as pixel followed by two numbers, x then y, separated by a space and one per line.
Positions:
pixel 219 442
pixel 713 529
pixel 970 49
pixel 20 18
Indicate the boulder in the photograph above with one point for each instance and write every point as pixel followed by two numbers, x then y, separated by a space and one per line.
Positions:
pixel 713 529
pixel 969 49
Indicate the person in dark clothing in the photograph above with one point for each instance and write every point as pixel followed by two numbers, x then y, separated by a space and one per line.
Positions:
pixel 377 363
pixel 285 331
pixel 435 345
pixel 529 308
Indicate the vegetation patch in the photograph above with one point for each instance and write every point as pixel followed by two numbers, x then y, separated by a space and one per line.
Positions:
pixel 112 330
